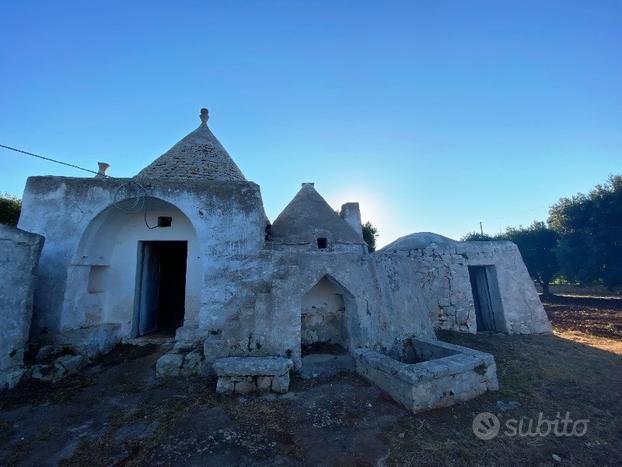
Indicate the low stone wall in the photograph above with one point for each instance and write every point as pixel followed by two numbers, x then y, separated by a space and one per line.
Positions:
pixel 439 382
pixel 249 374
pixel 591 290
pixel 19 258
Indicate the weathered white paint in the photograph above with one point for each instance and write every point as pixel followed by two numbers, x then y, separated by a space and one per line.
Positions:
pixel 323 315
pixel 19 256
pixel 439 273
pixel 223 222
pixel 102 274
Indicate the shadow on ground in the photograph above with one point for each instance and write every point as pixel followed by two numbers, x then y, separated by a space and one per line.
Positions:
pixel 117 413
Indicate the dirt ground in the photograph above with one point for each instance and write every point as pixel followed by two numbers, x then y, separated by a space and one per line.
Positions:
pixel 595 321
pixel 117 413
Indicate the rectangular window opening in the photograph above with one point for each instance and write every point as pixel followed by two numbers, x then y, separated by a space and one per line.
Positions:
pixel 322 243
pixel 164 221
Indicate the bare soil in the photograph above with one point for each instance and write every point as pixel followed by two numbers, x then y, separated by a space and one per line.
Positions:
pixel 595 321
pixel 117 413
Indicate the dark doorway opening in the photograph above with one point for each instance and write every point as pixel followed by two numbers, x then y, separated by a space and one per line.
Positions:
pixel 161 287
pixel 486 299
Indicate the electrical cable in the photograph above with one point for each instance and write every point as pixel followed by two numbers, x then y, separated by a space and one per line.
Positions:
pixel 51 160
pixel 139 198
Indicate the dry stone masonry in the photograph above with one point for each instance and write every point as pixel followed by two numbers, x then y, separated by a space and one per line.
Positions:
pixel 252 374
pixel 185 249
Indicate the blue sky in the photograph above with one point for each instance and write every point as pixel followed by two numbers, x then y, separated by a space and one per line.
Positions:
pixel 435 115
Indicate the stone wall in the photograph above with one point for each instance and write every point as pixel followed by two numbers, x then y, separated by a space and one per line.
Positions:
pixel 523 312
pixel 19 257
pixel 265 317
pixel 436 278
pixel 226 218
pixel 323 309
pixel 245 295
pixel 432 281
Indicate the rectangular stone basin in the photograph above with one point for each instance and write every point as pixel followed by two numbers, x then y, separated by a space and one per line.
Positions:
pixel 424 374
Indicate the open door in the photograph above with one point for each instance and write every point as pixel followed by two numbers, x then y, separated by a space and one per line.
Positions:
pixel 149 289
pixel 161 283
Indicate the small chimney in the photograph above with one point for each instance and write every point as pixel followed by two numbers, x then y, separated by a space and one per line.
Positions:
pixel 351 213
pixel 103 168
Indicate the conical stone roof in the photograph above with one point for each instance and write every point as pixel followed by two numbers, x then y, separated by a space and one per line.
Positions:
pixel 308 217
pixel 198 156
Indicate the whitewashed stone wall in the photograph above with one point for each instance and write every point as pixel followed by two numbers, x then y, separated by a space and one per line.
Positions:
pixel 225 221
pixel 323 310
pixel 432 281
pixel 245 294
pixel 265 317
pixel 438 279
pixel 523 312
pixel 19 257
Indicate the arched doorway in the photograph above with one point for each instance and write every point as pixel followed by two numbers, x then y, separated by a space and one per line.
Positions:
pixel 139 268
pixel 327 316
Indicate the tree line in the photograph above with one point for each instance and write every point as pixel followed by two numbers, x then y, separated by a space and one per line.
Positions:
pixel 580 243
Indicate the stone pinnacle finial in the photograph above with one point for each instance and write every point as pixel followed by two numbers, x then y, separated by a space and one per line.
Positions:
pixel 204 116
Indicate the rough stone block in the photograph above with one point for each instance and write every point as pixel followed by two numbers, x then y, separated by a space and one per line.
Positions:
pixel 42 372
pixel 280 384
pixel 71 363
pixel 252 366
pixel 225 385
pixel 253 374
pixel 193 364
pixel 169 365
pixel 264 383
pixel 45 352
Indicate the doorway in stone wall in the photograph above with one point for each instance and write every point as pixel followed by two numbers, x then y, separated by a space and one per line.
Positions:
pixel 486 298
pixel 160 287
pixel 324 337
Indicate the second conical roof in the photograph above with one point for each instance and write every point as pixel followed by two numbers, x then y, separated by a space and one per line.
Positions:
pixel 308 217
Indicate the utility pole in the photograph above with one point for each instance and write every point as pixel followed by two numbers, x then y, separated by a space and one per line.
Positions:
pixel 481 229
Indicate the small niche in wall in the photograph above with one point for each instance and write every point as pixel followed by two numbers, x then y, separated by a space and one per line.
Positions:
pixel 97 278
pixel 165 221
pixel 322 243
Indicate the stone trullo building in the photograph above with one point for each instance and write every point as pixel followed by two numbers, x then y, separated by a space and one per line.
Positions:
pixel 184 248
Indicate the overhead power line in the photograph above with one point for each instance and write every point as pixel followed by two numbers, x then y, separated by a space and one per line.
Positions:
pixel 51 160
pixel 140 202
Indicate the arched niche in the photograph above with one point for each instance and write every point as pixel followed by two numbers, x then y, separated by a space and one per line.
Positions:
pixel 328 317
pixel 106 275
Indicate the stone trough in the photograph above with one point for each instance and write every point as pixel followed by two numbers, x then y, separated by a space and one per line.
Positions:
pixel 242 375
pixel 425 374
